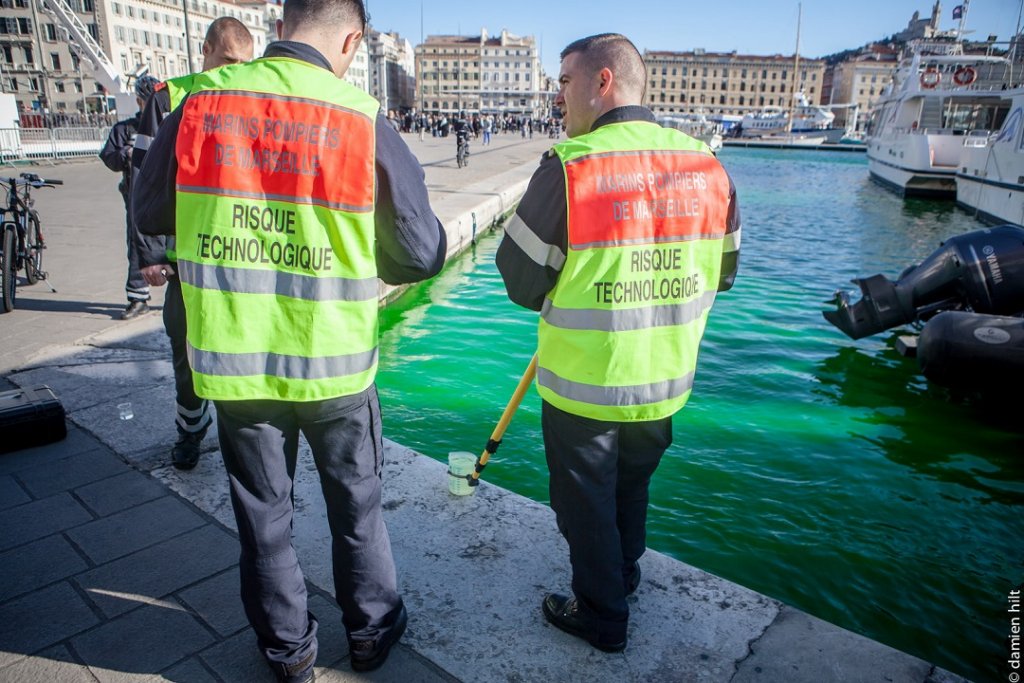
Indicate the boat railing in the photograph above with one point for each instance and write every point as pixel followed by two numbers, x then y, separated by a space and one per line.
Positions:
pixel 979 138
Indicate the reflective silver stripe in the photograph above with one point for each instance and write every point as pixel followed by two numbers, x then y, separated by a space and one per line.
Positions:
pixel 193 414
pixel 634 395
pixel 279 365
pixel 539 251
pixel 282 98
pixel 252 281
pixel 621 320
pixel 194 428
pixel 223 192
pixel 731 241
pixel 142 141
pixel 651 240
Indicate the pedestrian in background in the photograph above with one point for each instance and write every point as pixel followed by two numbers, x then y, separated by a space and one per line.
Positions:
pixel 227 41
pixel 281 237
pixel 117 155
pixel 615 362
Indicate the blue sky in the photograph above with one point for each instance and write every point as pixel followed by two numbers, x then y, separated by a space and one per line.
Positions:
pixel 750 26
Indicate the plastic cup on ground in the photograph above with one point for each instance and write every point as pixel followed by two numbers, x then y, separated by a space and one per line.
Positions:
pixel 460 464
pixel 124 411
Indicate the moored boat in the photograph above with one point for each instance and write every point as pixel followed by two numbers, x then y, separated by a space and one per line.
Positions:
pixel 990 179
pixel 937 97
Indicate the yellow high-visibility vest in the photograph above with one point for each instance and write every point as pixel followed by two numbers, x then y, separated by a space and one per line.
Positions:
pixel 647 213
pixel 275 232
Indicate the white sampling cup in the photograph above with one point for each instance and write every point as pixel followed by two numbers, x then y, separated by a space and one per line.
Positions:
pixel 460 464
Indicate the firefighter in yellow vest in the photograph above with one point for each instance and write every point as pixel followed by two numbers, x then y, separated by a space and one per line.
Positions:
pixel 625 235
pixel 227 41
pixel 289 195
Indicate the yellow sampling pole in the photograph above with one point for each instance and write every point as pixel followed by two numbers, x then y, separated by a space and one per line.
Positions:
pixel 506 417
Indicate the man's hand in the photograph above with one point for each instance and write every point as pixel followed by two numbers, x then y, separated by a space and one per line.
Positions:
pixel 156 276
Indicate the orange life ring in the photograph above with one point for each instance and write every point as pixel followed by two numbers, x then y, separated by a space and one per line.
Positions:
pixel 965 75
pixel 930 78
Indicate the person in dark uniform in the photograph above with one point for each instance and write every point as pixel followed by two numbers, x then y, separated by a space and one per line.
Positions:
pixel 625 234
pixel 117 155
pixel 280 241
pixel 463 130
pixel 227 41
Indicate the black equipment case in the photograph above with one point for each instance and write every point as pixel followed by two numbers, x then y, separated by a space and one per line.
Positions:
pixel 30 417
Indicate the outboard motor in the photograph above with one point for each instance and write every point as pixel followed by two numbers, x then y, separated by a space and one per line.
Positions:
pixel 973 351
pixel 982 271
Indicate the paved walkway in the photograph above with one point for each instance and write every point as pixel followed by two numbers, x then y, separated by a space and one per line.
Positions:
pixel 116 567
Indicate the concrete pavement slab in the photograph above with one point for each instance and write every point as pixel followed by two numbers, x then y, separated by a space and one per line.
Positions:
pixel 44 480
pixel 122 533
pixel 77 441
pixel 159 570
pixel 144 641
pixel 48 666
pixel 37 564
pixel 41 619
pixel 189 671
pixel 12 493
pixel 216 602
pixel 239 659
pixel 40 518
pixel 119 492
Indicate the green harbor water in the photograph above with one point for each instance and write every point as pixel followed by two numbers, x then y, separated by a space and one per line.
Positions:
pixel 823 472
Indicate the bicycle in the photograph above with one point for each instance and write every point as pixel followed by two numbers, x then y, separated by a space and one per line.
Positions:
pixel 462 152
pixel 22 241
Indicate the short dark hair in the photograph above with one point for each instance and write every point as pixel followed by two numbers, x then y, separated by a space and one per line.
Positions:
pixel 312 12
pixel 228 29
pixel 612 50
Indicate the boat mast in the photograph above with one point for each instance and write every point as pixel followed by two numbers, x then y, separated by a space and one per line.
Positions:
pixel 796 69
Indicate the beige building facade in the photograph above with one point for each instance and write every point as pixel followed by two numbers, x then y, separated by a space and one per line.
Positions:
pixel 859 83
pixel 40 67
pixel 480 74
pixel 726 82
pixel 392 79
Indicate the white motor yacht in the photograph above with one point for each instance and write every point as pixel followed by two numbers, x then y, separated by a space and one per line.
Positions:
pixel 937 97
pixel 696 126
pixel 990 179
pixel 807 118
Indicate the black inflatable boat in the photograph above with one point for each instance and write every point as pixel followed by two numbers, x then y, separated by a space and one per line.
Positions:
pixel 967 299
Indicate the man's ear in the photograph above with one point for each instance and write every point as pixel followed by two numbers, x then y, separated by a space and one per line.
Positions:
pixel 207 48
pixel 606 79
pixel 351 42
pixel 279 26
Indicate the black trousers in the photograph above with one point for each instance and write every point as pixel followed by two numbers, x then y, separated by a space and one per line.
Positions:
pixel 193 415
pixel 259 441
pixel 135 286
pixel 600 474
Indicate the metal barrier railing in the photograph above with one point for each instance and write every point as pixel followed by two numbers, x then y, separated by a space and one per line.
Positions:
pixel 40 144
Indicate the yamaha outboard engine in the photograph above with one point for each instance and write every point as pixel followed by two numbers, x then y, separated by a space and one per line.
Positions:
pixel 973 351
pixel 981 271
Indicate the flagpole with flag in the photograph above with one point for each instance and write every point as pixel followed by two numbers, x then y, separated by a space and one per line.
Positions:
pixel 960 12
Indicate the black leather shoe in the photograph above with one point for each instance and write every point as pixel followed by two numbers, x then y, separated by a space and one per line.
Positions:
pixel 185 454
pixel 368 655
pixel 134 309
pixel 299 672
pixel 632 578
pixel 564 614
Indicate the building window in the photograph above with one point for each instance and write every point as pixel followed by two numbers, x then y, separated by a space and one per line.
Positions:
pixel 24 25
pixel 55 61
pixel 51 32
pixel 59 85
